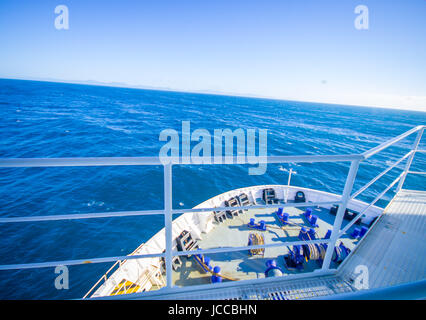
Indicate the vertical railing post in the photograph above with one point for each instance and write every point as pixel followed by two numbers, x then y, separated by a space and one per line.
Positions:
pixel 168 222
pixel 288 185
pixel 340 213
pixel 410 160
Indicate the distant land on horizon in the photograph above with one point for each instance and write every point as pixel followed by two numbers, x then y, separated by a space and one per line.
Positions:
pixel 212 92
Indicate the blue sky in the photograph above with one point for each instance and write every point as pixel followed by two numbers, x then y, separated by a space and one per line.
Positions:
pixel 298 50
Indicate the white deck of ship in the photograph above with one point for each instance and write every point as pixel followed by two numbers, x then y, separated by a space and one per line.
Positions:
pixel 234 232
pixel 393 251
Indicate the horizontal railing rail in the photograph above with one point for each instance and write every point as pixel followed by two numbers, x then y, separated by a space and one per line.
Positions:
pixel 169 211
pixel 369 153
pixel 98 215
pixel 38 265
pixel 49 264
pixel 74 216
pixel 152 161
pixel 417 172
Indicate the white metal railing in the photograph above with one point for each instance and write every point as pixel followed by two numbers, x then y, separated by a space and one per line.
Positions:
pixel 365 187
pixel 400 179
pixel 168 210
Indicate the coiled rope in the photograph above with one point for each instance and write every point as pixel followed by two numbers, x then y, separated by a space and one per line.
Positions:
pixel 257 239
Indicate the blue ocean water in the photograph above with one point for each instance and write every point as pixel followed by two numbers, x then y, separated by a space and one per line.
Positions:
pixel 42 119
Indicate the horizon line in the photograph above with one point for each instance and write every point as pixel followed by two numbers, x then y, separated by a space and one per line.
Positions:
pixel 204 92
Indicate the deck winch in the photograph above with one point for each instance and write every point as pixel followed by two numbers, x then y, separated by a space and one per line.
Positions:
pixel 340 252
pixel 311 251
pixel 315 251
pixel 295 258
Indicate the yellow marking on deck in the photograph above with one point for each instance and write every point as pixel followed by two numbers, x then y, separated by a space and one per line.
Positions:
pixel 125 287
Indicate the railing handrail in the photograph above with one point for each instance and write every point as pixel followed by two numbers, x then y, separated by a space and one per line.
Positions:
pixel 152 161
pixel 410 155
pixel 369 153
pixel 97 215
pixel 137 161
